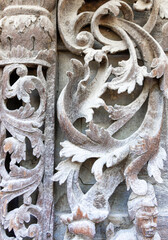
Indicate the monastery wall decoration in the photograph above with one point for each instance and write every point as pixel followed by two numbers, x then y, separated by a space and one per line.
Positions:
pixel 99 88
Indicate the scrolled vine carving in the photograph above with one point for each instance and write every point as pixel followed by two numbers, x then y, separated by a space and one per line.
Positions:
pixel 26 57
pixel 124 158
pixel 21 123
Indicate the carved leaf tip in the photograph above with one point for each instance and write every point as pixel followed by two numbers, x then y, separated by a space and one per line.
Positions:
pixel 141 5
pixel 127 75
pixel 78 71
pixel 112 6
pixel 160 70
pixel 138 186
pixel 97 55
pixel 26 111
pixel 16 148
pixel 159 66
pixel 64 169
pixel 155 164
pixel 164 9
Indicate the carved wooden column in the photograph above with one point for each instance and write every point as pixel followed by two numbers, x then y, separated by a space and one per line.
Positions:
pixel 115 160
pixel 27 90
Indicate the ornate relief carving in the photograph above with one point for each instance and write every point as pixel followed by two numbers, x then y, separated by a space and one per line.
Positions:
pixel 27 35
pixel 143 212
pixel 124 158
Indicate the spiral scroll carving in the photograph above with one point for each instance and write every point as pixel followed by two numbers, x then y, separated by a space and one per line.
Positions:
pixel 26 60
pixel 123 159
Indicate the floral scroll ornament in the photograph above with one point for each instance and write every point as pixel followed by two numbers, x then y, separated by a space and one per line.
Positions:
pixel 26 57
pixel 123 158
pixel 21 123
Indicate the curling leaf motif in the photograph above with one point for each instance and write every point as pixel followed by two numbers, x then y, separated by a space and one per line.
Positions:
pixel 123 158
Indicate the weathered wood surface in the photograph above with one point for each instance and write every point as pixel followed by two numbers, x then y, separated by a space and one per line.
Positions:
pixel 27 118
pixel 118 201
pixel 118 214
pixel 26 183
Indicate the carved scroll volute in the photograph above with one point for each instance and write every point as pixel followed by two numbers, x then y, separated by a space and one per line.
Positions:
pixel 125 158
pixel 70 24
pixel 27 63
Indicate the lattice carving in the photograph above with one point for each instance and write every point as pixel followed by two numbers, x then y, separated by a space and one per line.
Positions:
pixel 27 35
pixel 123 159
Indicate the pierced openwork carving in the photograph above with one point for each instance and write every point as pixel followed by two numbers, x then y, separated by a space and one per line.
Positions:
pixel 123 159
pixel 26 60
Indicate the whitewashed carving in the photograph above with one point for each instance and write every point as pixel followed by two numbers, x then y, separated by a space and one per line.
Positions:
pixel 143 212
pixel 27 35
pixel 123 158
pixel 142 5
pixel 164 9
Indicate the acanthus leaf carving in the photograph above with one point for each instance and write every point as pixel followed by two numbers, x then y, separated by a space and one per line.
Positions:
pixel 123 159
pixel 26 59
pixel 84 95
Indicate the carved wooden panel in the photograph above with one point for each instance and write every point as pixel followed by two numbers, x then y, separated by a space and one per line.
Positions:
pixel 111 173
pixel 27 73
pixel 117 91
